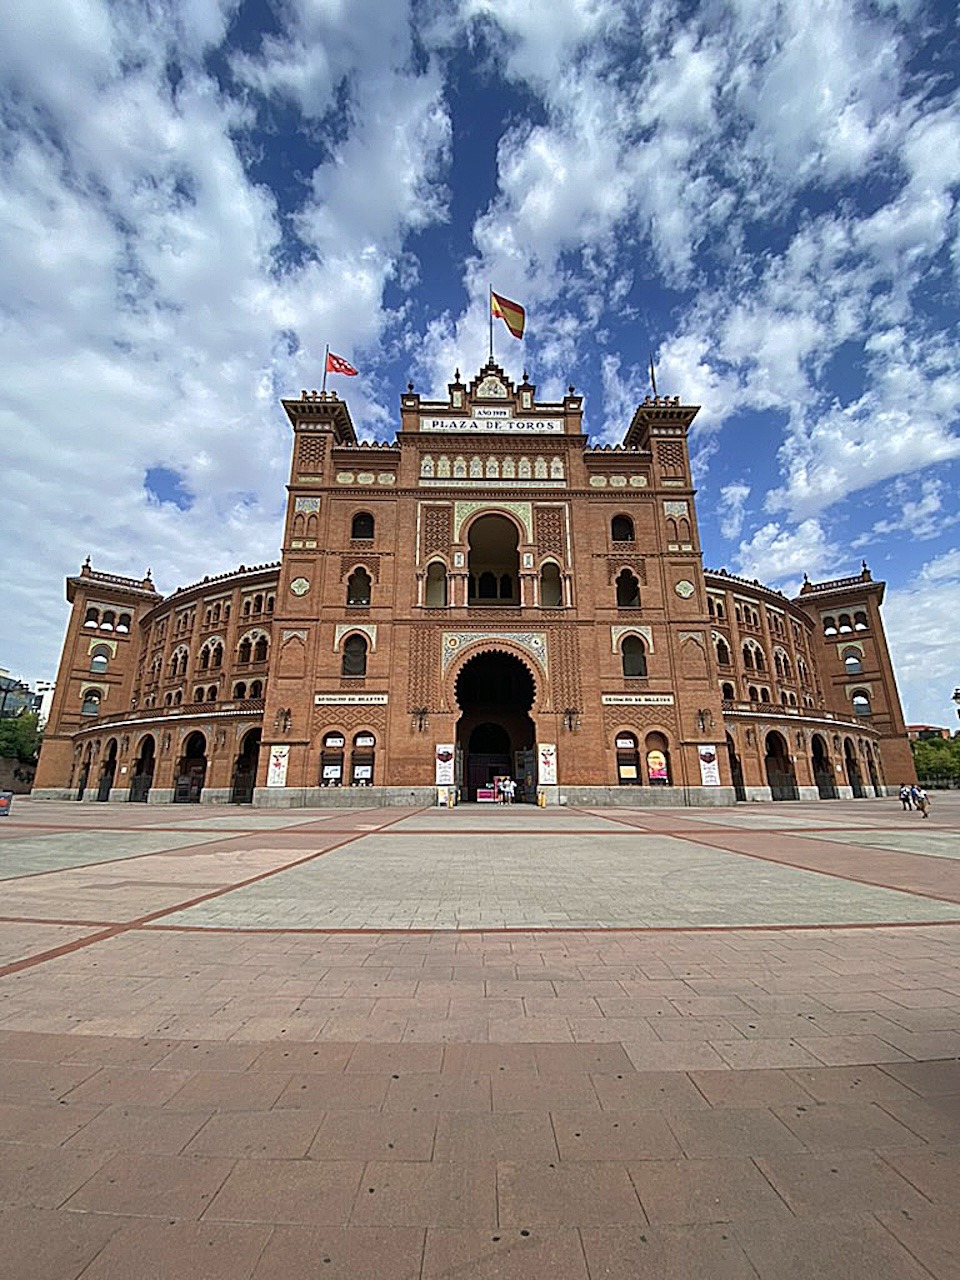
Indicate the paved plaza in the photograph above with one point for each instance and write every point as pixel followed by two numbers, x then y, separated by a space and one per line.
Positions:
pixel 480 1044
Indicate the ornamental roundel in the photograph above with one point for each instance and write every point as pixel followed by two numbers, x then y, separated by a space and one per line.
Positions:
pixel 300 586
pixel 684 589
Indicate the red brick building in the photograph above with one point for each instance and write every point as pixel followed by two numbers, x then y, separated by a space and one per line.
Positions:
pixel 487 595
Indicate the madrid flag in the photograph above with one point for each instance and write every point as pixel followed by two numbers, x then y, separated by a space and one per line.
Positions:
pixel 337 364
pixel 511 313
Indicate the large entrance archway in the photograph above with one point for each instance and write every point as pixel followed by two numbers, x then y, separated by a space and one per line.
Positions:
pixel 245 769
pixel 142 779
pixel 495 734
pixel 780 772
pixel 191 770
pixel 108 772
pixel 823 769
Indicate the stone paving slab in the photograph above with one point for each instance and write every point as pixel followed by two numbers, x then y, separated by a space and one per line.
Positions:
pixel 653 881
pixel 780 1102
pixel 58 851
pixel 928 843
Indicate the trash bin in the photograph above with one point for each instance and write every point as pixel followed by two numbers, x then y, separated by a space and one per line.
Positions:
pixel 6 800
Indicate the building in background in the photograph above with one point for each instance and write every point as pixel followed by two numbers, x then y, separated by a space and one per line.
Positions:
pixel 487 595
pixel 16 696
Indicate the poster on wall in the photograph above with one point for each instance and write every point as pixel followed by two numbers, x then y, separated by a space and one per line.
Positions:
pixel 709 766
pixel 277 769
pixel 444 764
pixel 657 769
pixel 547 754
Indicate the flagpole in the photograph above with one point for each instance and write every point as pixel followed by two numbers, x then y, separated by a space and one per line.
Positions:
pixel 323 384
pixel 490 308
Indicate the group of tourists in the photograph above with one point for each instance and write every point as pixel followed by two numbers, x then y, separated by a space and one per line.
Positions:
pixel 915 798
pixel 506 790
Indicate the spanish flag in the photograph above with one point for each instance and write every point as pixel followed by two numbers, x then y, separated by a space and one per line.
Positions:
pixel 511 313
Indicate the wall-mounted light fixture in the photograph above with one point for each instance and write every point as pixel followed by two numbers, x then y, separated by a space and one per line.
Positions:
pixel 705 720
pixel 571 719
pixel 419 719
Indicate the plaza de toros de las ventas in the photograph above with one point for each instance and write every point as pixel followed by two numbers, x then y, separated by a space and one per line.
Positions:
pixel 487 595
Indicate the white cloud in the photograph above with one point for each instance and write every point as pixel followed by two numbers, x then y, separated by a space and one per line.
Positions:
pixel 918 617
pixel 922 517
pixel 731 506
pixel 780 556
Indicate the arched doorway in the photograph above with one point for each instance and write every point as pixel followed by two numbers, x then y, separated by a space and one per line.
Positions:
pixel 872 770
pixel 736 769
pixel 495 734
pixel 108 772
pixel 822 769
pixel 494 562
pixel 781 777
pixel 143 767
pixel 854 780
pixel 245 769
pixel 84 777
pixel 191 770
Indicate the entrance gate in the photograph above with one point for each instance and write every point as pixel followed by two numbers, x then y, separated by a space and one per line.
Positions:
pixel 495 734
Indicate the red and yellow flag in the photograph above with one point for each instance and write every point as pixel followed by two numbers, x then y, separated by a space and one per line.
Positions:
pixel 511 313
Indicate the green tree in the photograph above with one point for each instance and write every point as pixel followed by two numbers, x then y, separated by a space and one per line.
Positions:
pixel 20 737
pixel 937 759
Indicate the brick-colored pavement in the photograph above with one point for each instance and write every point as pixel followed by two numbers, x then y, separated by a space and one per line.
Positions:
pixel 483 1043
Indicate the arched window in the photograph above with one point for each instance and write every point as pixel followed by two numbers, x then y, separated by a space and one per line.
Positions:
pixel 216 655
pixel 108 620
pixel 759 660
pixel 244 651
pixel 362 525
pixel 331 760
pixel 829 626
pixel 198 695
pixel 362 760
pixel 658 760
pixel 726 692
pixel 488 586
pixel 748 657
pixel 764 695
pixel 260 649
pixel 710 607
pixel 92 617
pixel 123 622
pixel 551 587
pixel 778 663
pixel 861 703
pixel 633 655
pixel 358 587
pixel 628 590
pixel 628 760
pixel 723 652
pixel 752 693
pixel 621 529
pixel 240 690
pixel 256 689
pixel 860 621
pixel 258 604
pixel 177 698
pixel 183 663
pixel 204 658
pixel 721 611
pixel 354 656
pixel 91 703
pixel 436 587
pixel 99 660
pixel 844 623
pixel 270 604
pixel 851 662
pixel 212 693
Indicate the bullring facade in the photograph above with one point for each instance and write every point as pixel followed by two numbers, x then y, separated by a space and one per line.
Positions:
pixel 486 595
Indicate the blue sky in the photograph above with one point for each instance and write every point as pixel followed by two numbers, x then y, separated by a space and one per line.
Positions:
pixel 196 197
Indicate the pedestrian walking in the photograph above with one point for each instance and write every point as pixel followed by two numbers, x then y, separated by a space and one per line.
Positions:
pixel 923 802
pixel 905 799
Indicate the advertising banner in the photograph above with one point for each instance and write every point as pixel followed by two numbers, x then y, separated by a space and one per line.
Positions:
pixel 444 764
pixel 277 769
pixel 547 758
pixel 709 766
